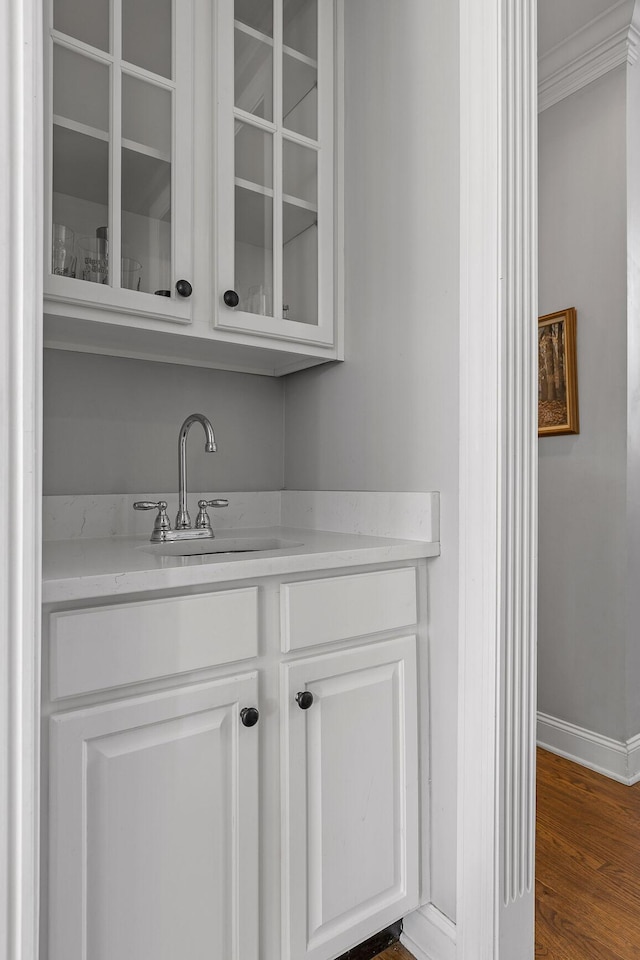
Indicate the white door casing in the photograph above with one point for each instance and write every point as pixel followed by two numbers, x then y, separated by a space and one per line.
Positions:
pixel 20 444
pixel 498 479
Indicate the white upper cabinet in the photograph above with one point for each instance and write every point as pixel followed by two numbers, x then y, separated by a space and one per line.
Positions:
pixel 275 119
pixel 120 146
pixel 190 195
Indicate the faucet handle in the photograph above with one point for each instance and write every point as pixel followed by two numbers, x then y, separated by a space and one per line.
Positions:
pixel 202 521
pixel 162 525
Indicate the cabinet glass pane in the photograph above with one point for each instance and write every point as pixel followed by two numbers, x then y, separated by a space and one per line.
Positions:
pixel 146 114
pixel 253 155
pixel 147 34
pixel 253 75
pixel 146 222
pixel 300 264
pixel 257 14
pixel 301 26
pixel 80 204
pixel 300 172
pixel 80 89
pixel 254 251
pixel 299 97
pixel 86 20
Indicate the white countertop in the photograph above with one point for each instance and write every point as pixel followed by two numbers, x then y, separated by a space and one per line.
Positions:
pixel 83 569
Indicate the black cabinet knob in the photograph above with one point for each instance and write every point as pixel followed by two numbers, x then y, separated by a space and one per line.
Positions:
pixel 304 699
pixel 231 298
pixel 249 716
pixel 184 288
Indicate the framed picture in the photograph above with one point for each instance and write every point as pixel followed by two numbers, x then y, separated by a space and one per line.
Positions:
pixel 557 374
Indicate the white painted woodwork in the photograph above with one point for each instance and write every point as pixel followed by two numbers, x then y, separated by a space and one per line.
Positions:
pixel 343 608
pixel 350 793
pixel 277 326
pixel 110 646
pixel 617 759
pixel 604 43
pixel 498 447
pixel 201 330
pixel 21 208
pixel 153 827
pixel 111 298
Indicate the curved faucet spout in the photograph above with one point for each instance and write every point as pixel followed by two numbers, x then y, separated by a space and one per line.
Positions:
pixel 183 521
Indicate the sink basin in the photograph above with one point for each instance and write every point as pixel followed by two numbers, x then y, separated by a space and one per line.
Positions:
pixel 230 545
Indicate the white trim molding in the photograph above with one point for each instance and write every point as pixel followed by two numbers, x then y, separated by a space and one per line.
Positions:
pixel 498 481
pixel 607 42
pixel 429 935
pixel 20 442
pixel 617 759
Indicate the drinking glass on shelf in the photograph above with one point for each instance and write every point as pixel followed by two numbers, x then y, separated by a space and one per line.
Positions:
pixel 63 259
pixel 130 274
pixel 259 300
pixel 94 259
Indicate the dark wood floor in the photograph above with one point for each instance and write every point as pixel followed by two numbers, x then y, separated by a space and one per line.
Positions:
pixel 396 952
pixel 587 864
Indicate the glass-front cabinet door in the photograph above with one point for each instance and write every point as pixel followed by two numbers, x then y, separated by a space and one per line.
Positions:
pixel 274 204
pixel 120 133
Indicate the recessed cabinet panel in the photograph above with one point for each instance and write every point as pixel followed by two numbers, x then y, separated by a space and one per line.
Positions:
pixel 351 850
pixel 344 608
pixel 153 830
pixel 109 646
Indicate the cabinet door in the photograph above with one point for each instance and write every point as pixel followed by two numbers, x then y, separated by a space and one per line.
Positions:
pixel 275 136
pixel 119 142
pixel 153 827
pixel 350 858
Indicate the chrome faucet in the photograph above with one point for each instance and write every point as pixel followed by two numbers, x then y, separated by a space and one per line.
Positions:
pixel 183 521
pixel 162 532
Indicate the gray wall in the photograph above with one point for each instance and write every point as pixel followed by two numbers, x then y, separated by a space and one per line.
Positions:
pixel 111 426
pixel 582 580
pixel 387 419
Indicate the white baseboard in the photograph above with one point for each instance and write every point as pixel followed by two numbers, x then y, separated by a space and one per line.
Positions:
pixel 617 759
pixel 429 935
pixel 633 758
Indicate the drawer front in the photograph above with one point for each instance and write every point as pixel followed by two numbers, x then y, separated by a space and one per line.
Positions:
pixel 343 608
pixel 126 643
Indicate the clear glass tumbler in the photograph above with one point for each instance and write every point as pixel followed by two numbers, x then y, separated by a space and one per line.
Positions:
pixel 63 258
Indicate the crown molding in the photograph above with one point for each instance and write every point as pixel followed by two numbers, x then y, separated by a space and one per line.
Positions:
pixel 609 41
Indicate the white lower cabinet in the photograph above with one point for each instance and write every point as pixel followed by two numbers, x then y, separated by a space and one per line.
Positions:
pixel 350 789
pixel 180 826
pixel 153 827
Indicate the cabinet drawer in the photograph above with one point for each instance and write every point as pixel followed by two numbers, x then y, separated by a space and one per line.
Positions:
pixel 126 643
pixel 342 608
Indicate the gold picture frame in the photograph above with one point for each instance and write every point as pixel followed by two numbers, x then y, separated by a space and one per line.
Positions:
pixel 557 374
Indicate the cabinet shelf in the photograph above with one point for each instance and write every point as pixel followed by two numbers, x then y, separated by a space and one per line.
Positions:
pixel 88 131
pixel 81 170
